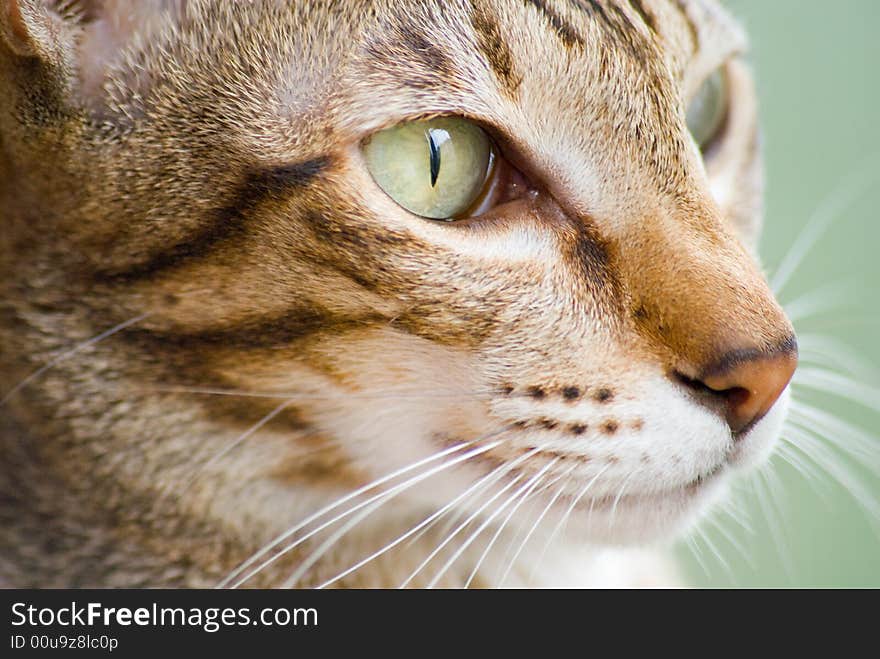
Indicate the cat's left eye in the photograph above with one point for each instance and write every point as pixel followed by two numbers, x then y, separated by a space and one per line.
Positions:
pixel 707 111
pixel 437 168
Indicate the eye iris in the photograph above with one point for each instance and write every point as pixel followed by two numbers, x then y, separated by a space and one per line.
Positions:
pixel 708 109
pixel 435 168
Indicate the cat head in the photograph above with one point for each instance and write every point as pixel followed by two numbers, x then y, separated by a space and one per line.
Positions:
pixel 561 300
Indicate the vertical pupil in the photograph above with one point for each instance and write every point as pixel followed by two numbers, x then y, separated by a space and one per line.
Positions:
pixel 434 157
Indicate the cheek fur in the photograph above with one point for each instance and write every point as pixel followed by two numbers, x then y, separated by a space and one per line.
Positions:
pixel 288 346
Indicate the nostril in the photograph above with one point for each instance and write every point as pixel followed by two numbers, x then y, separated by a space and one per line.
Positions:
pixel 719 401
pixel 736 399
pixel 735 396
pixel 693 384
pixel 744 385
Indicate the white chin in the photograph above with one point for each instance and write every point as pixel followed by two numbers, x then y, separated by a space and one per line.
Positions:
pixel 643 520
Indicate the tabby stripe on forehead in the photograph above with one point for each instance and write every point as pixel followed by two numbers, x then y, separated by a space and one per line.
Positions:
pixel 639 8
pixel 494 48
pixel 564 30
pixel 613 20
pixel 618 24
pixel 593 8
pixel 228 222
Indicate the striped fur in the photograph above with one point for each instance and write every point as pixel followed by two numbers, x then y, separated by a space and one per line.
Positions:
pixel 197 165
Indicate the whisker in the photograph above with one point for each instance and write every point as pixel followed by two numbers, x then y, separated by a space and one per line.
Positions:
pixel 846 437
pixel 719 557
pixel 731 539
pixel 462 511
pixel 531 487
pixel 452 519
pixel 697 553
pixel 233 445
pixel 619 496
pixel 532 529
pixel 841 386
pixel 806 470
pixel 739 516
pixel 808 443
pixel 70 353
pixel 426 523
pixel 696 540
pixel 826 352
pixel 472 517
pixel 559 525
pixel 851 319
pixel 338 534
pixel 765 498
pixel 562 480
pixel 458 529
pixel 852 188
pixel 821 300
pixel 464 545
pixel 343 500
pixel 372 504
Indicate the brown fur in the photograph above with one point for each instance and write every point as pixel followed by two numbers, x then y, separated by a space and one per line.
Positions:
pixel 205 171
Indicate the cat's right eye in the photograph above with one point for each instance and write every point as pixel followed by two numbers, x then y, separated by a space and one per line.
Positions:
pixel 707 111
pixel 437 168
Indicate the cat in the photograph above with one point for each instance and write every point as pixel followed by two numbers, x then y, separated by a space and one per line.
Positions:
pixel 376 293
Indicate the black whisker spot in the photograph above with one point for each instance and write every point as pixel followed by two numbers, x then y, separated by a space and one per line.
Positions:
pixel 610 427
pixel 537 393
pixel 571 393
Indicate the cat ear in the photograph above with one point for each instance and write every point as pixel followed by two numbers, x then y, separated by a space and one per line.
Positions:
pixel 30 29
pixel 78 41
pixel 37 64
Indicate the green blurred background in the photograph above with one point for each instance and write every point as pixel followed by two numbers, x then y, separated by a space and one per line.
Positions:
pixel 818 74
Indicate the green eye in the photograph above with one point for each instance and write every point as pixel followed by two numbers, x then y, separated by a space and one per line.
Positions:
pixel 435 168
pixel 708 109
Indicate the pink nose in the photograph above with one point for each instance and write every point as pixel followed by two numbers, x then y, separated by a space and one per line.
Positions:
pixel 751 385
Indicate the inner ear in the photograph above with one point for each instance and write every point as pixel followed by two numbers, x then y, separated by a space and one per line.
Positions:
pixel 108 28
pixel 31 29
pixel 83 39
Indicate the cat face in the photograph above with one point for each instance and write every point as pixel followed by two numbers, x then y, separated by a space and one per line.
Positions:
pixel 596 338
